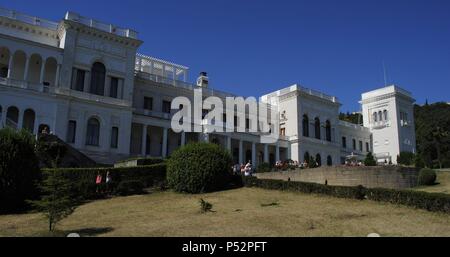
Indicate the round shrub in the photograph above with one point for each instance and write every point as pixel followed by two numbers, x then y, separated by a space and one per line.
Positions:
pixel 427 177
pixel 19 169
pixel 199 167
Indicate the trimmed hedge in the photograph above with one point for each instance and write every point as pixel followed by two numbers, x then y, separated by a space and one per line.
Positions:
pixel 422 200
pixel 306 187
pixel 83 179
pixel 429 201
pixel 130 187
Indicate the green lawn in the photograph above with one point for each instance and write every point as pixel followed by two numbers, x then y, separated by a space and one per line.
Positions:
pixel 442 180
pixel 240 212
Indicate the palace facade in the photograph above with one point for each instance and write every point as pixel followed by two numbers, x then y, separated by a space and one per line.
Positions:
pixel 84 81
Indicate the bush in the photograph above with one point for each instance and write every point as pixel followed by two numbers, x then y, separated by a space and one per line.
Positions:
pixel 370 160
pixel 306 187
pixel 83 179
pixel 199 167
pixel 423 200
pixel 264 167
pixel 19 169
pixel 405 158
pixel 130 187
pixel 426 177
pixel 417 199
pixel 418 161
pixel 205 206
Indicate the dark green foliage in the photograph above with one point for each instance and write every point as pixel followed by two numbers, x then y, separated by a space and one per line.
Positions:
pixel 50 153
pixel 355 118
pixel 205 206
pixel 130 187
pixel 312 162
pixel 264 167
pixel 199 167
pixel 370 160
pixel 305 187
pixel 427 177
pixel 83 179
pixel 406 158
pixel 19 170
pixel 56 202
pixel 418 161
pixel 417 199
pixel 422 200
pixel 432 124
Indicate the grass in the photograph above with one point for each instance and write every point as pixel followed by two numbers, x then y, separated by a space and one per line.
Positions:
pixel 238 212
pixel 442 183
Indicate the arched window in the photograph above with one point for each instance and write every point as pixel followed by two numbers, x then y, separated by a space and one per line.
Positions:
pixel 12 117
pixel 93 132
pixel 385 114
pixel 5 56
pixel 329 161
pixel 306 157
pixel 317 127
pixel 98 73
pixel 34 68
pixel 328 130
pixel 28 120
pixel 318 160
pixel 375 117
pixel 305 126
pixel 380 116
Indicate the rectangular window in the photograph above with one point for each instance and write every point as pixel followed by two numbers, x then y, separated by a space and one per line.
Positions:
pixel 367 147
pixel 71 130
pixel 283 131
pixel 247 123
pixel 166 106
pixel 148 103
pixel 360 145
pixel 354 144
pixel 344 142
pixel 78 79
pixel 114 87
pixel 114 137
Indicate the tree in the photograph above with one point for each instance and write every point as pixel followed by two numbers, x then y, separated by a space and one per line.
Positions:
pixel 370 160
pixel 50 152
pixel 19 169
pixel 56 202
pixel 439 135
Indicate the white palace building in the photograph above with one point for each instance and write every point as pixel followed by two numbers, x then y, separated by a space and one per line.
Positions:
pixel 84 81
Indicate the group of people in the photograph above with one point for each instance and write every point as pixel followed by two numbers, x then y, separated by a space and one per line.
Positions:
pixel 243 169
pixel 99 182
pixel 293 164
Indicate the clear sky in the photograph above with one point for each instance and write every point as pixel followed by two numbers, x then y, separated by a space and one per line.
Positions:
pixel 251 47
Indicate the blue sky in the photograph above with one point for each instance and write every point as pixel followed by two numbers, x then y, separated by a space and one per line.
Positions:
pixel 251 47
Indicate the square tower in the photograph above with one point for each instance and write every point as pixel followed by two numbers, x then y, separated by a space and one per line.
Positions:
pixel 389 114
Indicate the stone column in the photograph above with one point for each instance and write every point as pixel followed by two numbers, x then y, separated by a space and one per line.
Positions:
pixel 229 143
pixel 25 74
pixel 58 67
pixel 20 119
pixel 10 65
pixel 266 153
pixel 41 76
pixel 241 149
pixel 183 138
pixel 254 154
pixel 277 152
pixel 164 143
pixel 144 140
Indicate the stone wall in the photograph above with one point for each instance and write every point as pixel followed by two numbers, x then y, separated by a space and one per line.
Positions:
pixel 371 177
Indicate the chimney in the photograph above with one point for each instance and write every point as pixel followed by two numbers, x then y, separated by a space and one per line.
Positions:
pixel 202 80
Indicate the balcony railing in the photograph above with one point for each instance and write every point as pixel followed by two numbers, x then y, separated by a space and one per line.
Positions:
pixel 101 26
pixel 11 14
pixel 380 124
pixel 353 126
pixel 152 113
pixel 26 85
